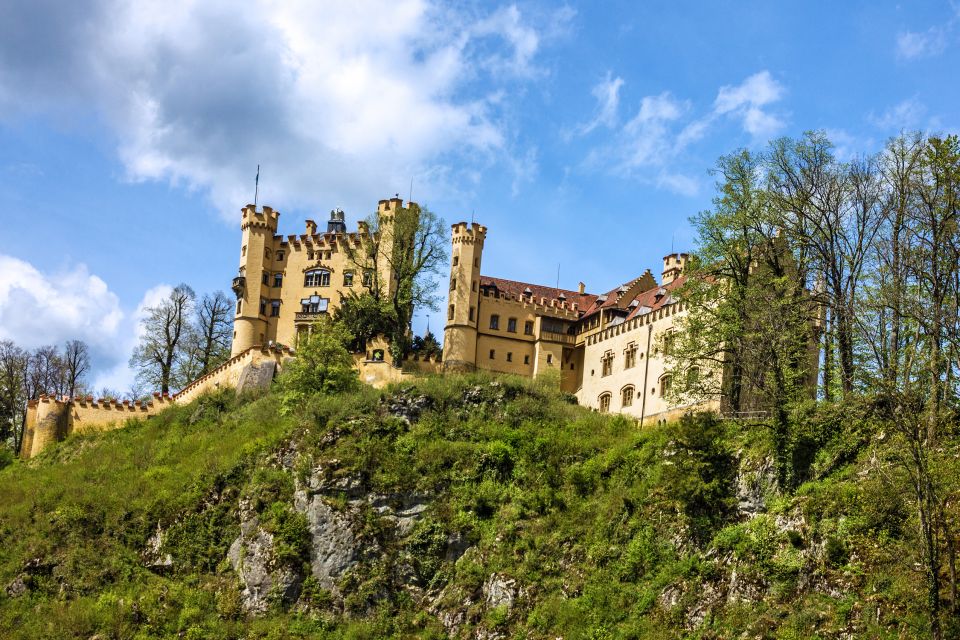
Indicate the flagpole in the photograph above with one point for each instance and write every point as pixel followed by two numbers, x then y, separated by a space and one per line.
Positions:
pixel 256 188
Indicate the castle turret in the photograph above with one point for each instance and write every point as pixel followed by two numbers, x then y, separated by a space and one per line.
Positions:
pixel 673 266
pixel 460 333
pixel 251 286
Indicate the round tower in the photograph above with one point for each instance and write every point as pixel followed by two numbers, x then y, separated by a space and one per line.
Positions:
pixel 250 319
pixel 460 332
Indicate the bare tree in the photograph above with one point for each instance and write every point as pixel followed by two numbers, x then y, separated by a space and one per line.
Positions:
pixel 13 393
pixel 76 363
pixel 46 373
pixel 213 326
pixel 165 327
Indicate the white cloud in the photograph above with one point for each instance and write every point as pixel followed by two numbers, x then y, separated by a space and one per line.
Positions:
pixel 651 146
pixel 39 308
pixel 907 114
pixel 607 94
pixel 747 101
pixel 336 101
pixel 929 43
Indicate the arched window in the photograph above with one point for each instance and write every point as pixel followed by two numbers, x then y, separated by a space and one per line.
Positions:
pixel 665 384
pixel 604 402
pixel 316 278
pixel 669 339
pixel 626 396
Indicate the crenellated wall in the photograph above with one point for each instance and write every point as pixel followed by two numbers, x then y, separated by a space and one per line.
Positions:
pixel 52 419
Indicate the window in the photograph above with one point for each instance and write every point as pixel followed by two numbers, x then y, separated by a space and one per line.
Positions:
pixel 512 325
pixel 368 278
pixel 526 359
pixel 314 304
pixel 476 262
pixel 665 383
pixel 453 284
pixel 274 308
pixel 528 328
pixel 471 314
pixel 263 306
pixel 604 403
pixel 626 396
pixel 265 278
pixel 549 358
pixel 316 278
pixel 348 278
pixel 267 253
pixel 630 356
pixel 494 321
pixel 607 364
pixel 243 250
pixel 669 339
pixel 474 285
pixel 456 260
pixel 493 353
pixel 279 255
pixel 239 306
pixel 509 356
pixel 450 312
pixel 278 279
pixel 310 254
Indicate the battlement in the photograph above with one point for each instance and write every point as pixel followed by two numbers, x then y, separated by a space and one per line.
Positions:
pixel 228 373
pixel 266 218
pixel 673 266
pixel 464 233
pixel 545 306
pixel 392 204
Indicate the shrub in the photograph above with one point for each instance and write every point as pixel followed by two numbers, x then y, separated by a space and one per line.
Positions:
pixel 322 365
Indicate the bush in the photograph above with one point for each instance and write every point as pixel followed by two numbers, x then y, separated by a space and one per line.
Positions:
pixel 323 365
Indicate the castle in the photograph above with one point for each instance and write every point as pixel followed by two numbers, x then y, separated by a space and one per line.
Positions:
pixel 286 283
pixel 607 348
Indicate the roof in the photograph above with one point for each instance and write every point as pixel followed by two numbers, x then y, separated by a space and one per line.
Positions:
pixel 589 303
pixel 516 289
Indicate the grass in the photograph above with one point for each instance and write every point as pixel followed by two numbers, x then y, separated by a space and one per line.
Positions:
pixel 606 530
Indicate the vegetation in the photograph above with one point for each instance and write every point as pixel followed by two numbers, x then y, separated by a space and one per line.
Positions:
pixel 589 525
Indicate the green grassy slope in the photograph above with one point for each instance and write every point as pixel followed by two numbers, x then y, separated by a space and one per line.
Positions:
pixel 539 519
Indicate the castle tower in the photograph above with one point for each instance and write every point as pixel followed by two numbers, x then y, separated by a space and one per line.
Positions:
pixel 460 333
pixel 250 285
pixel 673 266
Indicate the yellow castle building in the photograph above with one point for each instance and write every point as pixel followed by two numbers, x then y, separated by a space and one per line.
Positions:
pixel 606 347
pixel 287 282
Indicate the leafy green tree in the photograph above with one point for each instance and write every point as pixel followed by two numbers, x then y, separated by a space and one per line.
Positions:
pixel 365 317
pixel 426 346
pixel 410 244
pixel 322 365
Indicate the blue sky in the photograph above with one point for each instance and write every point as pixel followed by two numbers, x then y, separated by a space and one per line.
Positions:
pixel 581 134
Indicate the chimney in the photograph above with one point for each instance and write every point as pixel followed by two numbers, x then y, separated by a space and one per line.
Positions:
pixel 582 288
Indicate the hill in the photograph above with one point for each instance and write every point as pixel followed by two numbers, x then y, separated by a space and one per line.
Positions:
pixel 463 506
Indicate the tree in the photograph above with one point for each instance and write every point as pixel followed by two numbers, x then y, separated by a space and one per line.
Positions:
pixel 426 346
pixel 46 374
pixel 13 393
pixel 207 342
pixel 365 317
pixel 164 328
pixel 323 365
pixel 76 362
pixel 410 245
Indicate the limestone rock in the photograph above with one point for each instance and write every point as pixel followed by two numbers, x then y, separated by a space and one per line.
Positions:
pixel 753 485
pixel 334 546
pixel 256 376
pixel 252 557
pixel 499 590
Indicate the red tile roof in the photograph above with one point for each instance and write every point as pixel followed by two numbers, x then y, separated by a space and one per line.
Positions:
pixel 515 289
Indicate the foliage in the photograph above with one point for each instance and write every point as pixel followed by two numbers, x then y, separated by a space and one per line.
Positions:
pixel 323 365
pixel 365 317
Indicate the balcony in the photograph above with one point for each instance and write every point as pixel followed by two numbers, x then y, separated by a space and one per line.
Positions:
pixel 552 336
pixel 308 317
pixel 238 285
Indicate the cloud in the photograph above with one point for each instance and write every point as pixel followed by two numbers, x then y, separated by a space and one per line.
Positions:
pixel 336 101
pixel 607 94
pixel 652 146
pixel 747 101
pixel 926 44
pixel 904 115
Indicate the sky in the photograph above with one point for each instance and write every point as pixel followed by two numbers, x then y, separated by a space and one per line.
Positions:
pixel 581 134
